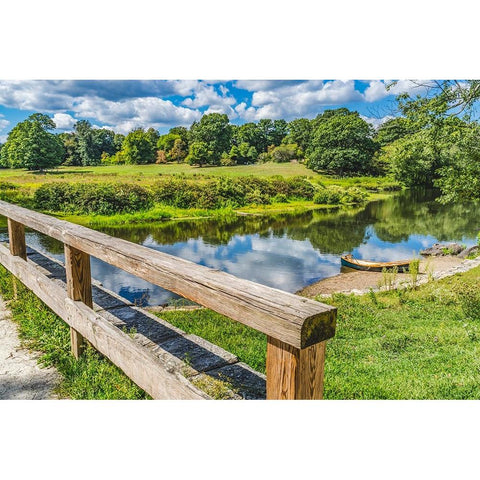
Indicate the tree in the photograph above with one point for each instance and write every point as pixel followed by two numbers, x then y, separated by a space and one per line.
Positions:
pixel 199 154
pixel 104 142
pixel 215 131
pixel 392 130
pixel 30 145
pixel 86 145
pixel 179 151
pixel 242 154
pixel 341 143
pixel 449 138
pixel 286 153
pixel 70 145
pixel 118 139
pixel 271 133
pixel 300 132
pixel 249 133
pixel 139 147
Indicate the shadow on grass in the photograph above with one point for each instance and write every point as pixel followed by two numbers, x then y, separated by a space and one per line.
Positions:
pixel 59 172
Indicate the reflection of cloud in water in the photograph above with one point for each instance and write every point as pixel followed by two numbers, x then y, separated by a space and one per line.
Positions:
pixel 381 251
pixel 271 259
pixel 279 262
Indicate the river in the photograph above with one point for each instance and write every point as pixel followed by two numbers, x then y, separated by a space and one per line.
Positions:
pixel 288 252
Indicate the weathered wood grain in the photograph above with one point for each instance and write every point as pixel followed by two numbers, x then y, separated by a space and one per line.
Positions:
pixel 294 320
pixel 16 236
pixel 79 287
pixel 294 374
pixel 152 373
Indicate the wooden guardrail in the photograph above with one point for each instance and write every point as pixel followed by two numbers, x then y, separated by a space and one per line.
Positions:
pixel 296 327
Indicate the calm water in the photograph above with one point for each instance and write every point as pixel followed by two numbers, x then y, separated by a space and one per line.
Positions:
pixel 289 251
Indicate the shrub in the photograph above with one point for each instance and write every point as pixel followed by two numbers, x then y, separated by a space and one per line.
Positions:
pixel 328 196
pixel 228 192
pixel 7 186
pixel 100 198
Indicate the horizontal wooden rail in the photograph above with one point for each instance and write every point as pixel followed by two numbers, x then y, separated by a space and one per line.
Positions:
pixel 137 362
pixel 288 320
pixel 294 320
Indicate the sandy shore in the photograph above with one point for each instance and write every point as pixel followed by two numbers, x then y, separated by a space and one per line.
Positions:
pixel 359 280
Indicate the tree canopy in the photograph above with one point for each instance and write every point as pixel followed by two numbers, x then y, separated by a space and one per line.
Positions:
pixel 31 145
pixel 215 131
pixel 341 143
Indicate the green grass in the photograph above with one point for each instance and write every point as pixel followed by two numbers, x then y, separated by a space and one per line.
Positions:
pixel 406 344
pixel 247 344
pixel 411 344
pixel 149 173
pixel 93 376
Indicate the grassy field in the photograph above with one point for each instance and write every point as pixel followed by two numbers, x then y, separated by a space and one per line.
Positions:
pixel 149 173
pixel 406 344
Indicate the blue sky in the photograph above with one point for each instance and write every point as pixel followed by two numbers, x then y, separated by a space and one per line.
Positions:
pixel 126 104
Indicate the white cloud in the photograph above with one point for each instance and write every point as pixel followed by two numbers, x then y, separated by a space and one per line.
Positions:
pixel 377 89
pixel 295 99
pixel 64 121
pixel 206 95
pixel 138 112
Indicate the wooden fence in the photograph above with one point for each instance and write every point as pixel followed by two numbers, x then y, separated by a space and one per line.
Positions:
pixel 297 328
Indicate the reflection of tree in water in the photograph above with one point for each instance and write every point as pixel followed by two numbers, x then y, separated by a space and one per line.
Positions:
pixel 50 244
pixel 417 212
pixel 330 231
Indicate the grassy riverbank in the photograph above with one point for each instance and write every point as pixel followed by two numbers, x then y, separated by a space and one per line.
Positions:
pixel 99 196
pixel 406 344
pixel 409 344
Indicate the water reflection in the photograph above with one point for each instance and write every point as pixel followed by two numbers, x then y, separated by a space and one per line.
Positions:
pixel 290 251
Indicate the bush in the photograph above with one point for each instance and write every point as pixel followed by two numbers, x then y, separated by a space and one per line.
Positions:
pixel 100 198
pixel 7 186
pixel 336 195
pixel 227 192
pixel 328 196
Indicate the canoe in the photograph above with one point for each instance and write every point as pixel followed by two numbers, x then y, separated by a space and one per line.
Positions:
pixel 349 261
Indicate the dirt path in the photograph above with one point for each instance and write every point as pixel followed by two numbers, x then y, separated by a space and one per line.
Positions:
pixel 356 280
pixel 20 376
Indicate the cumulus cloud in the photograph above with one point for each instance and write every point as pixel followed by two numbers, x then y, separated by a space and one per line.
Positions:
pixel 64 121
pixel 290 99
pixel 139 112
pixel 207 95
pixel 3 125
pixel 126 104
pixel 377 89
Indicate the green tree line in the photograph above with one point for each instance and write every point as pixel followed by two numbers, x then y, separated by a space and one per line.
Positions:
pixel 434 142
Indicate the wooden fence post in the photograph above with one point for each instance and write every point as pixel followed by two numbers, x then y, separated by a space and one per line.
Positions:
pixel 18 246
pixel 79 287
pixel 16 236
pixel 294 374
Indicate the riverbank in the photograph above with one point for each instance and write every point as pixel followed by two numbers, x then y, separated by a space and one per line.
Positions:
pixel 361 282
pixel 124 195
pixel 411 343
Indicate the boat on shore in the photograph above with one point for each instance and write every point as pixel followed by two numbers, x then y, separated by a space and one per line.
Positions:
pixel 366 265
